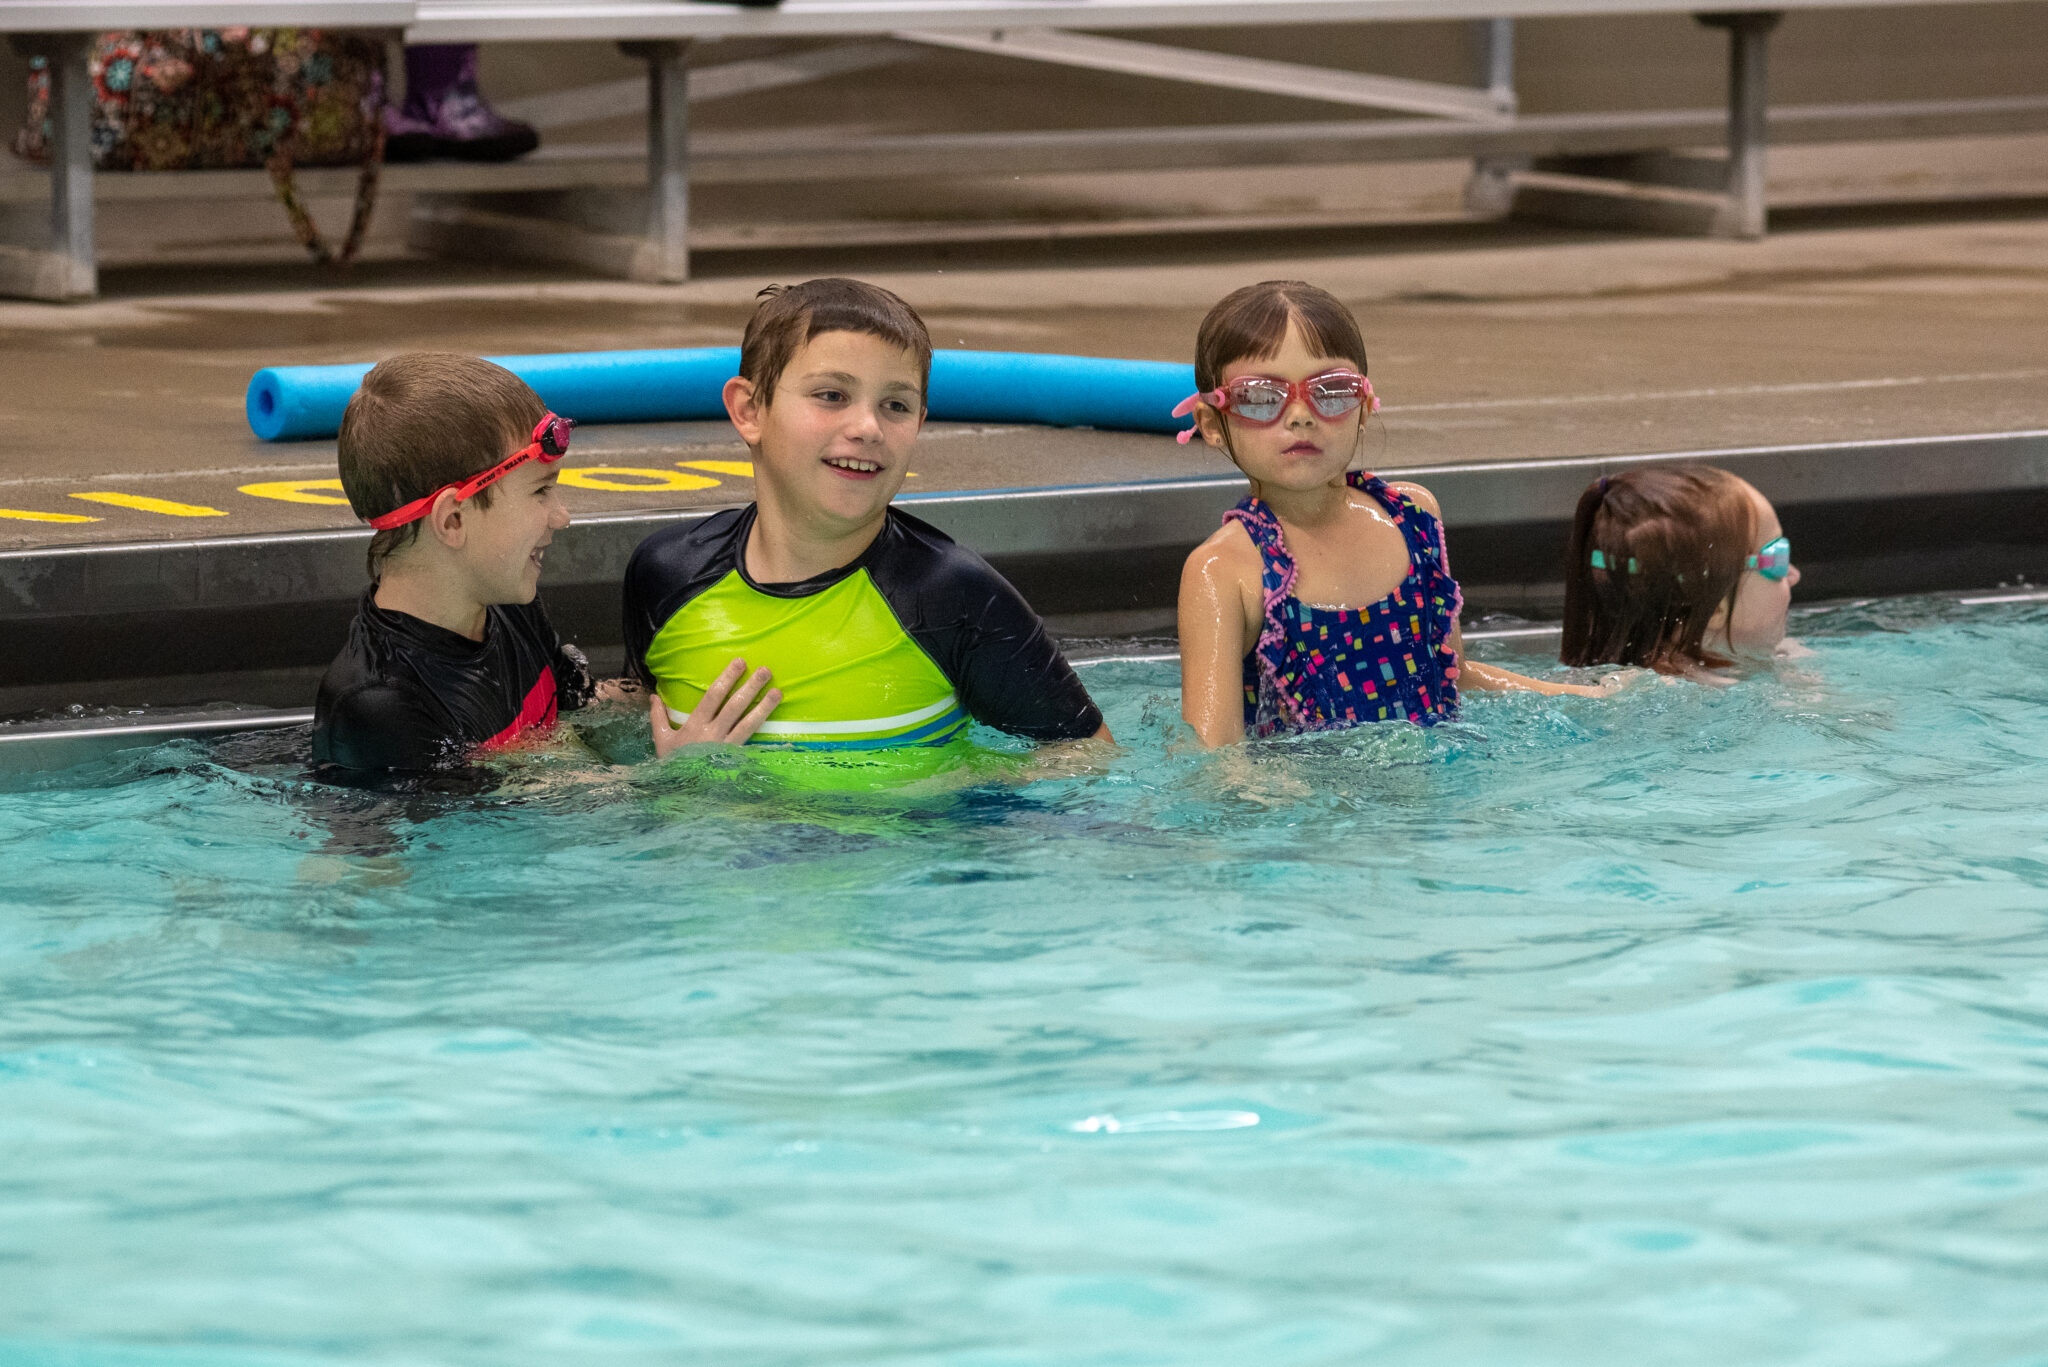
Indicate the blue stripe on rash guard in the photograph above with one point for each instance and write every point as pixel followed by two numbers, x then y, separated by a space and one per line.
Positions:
pixel 939 732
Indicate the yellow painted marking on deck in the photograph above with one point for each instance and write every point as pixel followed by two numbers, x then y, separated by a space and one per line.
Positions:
pixel 608 477
pixel 742 469
pixel 23 515
pixel 297 491
pixel 142 504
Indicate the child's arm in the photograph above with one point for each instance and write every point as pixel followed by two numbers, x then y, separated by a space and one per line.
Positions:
pixel 380 728
pixel 1004 666
pixel 1212 634
pixel 1493 679
pixel 729 713
pixel 1487 678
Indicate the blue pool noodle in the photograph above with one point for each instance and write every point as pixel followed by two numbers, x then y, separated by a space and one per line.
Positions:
pixel 1058 391
pixel 290 403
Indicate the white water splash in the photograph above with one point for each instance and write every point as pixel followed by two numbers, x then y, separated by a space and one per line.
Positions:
pixel 1162 1122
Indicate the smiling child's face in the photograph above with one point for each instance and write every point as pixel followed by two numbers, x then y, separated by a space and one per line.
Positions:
pixel 1303 450
pixel 503 544
pixel 832 445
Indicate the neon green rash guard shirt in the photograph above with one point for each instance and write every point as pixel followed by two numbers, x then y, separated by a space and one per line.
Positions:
pixel 900 648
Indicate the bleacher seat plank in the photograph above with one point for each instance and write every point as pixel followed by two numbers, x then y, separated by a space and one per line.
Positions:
pixel 98 16
pixel 468 21
pixel 774 157
pixel 1483 123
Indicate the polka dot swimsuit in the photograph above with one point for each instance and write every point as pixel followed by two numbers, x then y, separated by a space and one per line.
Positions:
pixel 1315 668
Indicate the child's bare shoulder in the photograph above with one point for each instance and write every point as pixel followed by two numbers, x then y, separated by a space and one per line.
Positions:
pixel 1421 497
pixel 1228 554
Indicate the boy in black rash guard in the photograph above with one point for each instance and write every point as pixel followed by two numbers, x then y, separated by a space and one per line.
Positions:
pixel 881 632
pixel 451 652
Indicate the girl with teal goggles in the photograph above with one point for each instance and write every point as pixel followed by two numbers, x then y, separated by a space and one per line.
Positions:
pixel 1712 586
pixel 1773 560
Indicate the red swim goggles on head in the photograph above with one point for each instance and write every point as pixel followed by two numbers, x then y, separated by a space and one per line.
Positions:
pixel 550 443
pixel 1260 400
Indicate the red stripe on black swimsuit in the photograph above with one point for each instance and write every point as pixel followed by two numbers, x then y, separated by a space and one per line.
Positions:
pixel 537 712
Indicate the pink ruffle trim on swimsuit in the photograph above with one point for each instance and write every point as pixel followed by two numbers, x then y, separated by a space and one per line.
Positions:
pixel 1271 632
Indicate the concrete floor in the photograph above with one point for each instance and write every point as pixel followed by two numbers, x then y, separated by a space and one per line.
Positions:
pixel 1488 344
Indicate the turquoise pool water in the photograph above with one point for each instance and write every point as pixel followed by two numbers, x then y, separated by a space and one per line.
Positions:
pixel 1691 1026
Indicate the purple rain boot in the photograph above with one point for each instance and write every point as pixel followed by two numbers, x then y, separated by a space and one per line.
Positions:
pixel 445 114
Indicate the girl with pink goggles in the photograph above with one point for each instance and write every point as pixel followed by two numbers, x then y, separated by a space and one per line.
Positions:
pixel 1261 400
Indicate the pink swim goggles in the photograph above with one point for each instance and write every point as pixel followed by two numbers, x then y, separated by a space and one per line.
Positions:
pixel 1260 400
pixel 550 443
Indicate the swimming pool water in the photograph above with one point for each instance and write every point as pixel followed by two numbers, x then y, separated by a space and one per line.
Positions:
pixel 1689 1026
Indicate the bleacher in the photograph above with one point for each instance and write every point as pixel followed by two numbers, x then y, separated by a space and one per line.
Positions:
pixel 624 210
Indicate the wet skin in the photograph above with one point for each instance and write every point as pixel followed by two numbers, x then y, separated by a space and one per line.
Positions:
pixel 1347 551
pixel 469 555
pixel 1755 626
pixel 831 448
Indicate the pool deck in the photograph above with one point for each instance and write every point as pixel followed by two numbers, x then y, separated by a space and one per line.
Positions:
pixel 1844 363
pixel 1498 346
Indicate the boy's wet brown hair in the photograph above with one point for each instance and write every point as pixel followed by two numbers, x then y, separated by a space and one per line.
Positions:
pixel 1673 541
pixel 1251 324
pixel 788 316
pixel 422 420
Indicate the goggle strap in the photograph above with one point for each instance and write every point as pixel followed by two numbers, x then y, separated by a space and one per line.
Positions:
pixel 545 447
pixel 1186 408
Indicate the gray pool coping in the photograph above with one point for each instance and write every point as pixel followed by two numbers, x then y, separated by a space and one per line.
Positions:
pixel 136 636
pixel 1070 521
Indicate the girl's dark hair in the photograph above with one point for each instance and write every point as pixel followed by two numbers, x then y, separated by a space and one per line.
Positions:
pixel 1251 323
pixel 1672 542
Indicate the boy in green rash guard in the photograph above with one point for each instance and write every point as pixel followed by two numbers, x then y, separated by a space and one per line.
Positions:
pixel 881 632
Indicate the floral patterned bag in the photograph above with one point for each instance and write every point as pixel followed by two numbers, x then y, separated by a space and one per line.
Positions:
pixel 214 99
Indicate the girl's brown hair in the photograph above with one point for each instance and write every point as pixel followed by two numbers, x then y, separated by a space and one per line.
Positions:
pixel 1251 323
pixel 1655 553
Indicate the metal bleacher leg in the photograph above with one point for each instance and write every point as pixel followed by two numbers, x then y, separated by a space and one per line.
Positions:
pixel 1661 190
pixel 668 157
pixel 1490 190
pixel 64 268
pixel 1748 111
pixel 71 166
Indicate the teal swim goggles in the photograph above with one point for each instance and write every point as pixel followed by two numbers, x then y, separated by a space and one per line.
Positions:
pixel 1773 560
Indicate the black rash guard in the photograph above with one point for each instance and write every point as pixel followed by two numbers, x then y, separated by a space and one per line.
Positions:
pixel 407 696
pixel 690 606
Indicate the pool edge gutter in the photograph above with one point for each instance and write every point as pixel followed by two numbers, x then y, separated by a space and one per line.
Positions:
pixel 1896 515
